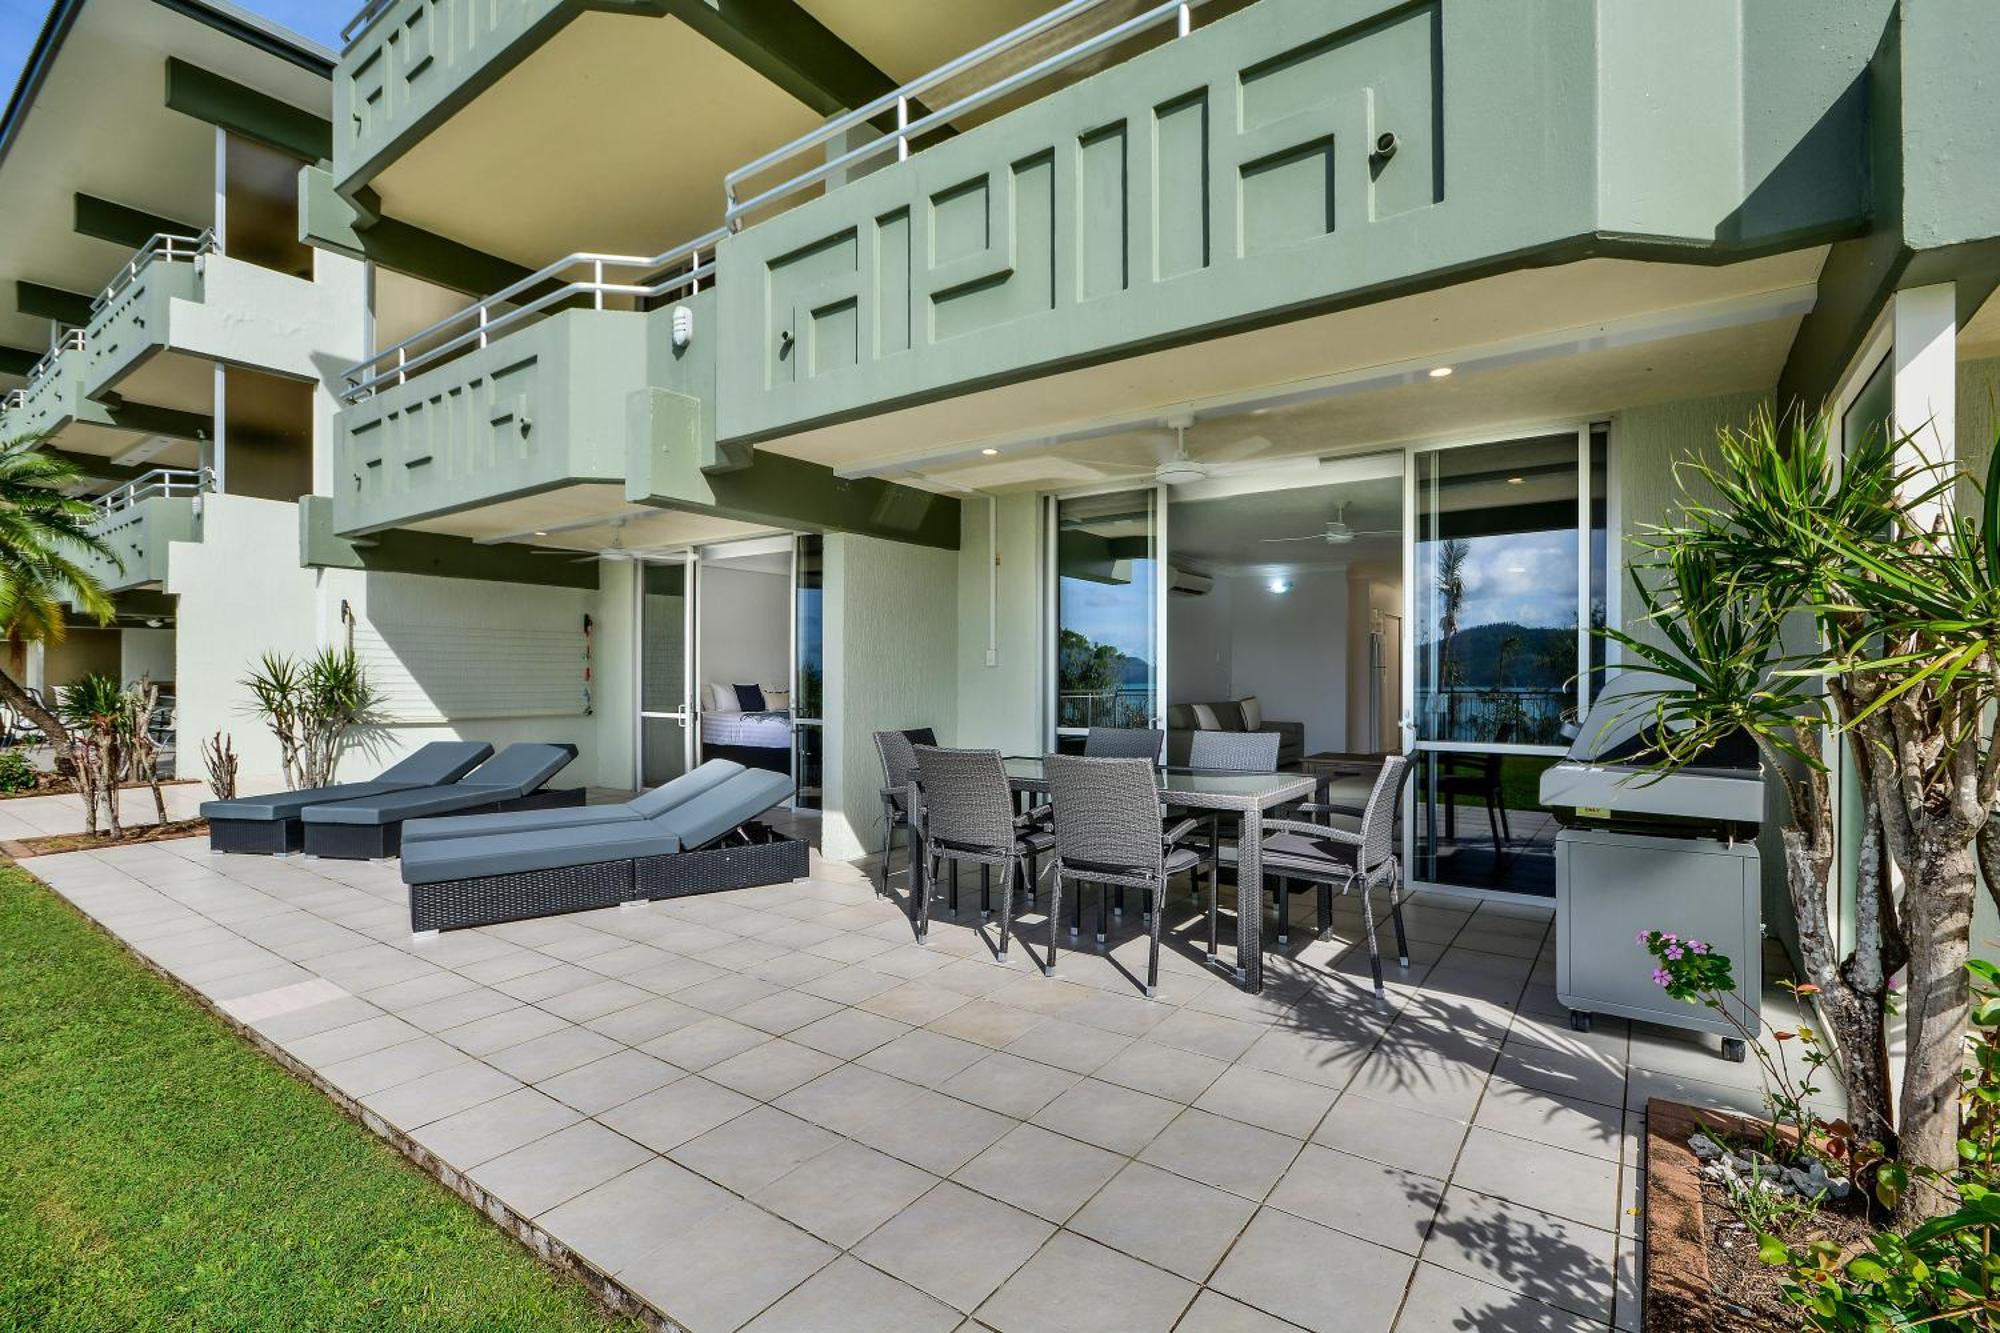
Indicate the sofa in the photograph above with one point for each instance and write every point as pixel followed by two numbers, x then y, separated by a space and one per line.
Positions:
pixel 1245 714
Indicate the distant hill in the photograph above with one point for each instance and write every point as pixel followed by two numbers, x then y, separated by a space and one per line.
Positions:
pixel 1539 657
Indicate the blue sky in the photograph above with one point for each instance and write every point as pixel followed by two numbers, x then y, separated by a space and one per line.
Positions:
pixel 21 21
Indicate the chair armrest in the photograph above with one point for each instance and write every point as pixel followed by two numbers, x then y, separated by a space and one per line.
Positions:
pixel 1325 831
pixel 1035 815
pixel 1179 831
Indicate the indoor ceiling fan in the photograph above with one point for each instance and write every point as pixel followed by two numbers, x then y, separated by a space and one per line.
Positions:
pixel 1336 532
pixel 618 550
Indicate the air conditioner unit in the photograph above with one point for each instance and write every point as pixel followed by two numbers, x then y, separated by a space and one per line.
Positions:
pixel 1188 583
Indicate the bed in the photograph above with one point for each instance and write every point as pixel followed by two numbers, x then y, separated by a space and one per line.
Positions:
pixel 752 737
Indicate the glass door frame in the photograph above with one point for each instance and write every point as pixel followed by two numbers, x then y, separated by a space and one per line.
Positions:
pixel 793 680
pixel 1415 747
pixel 689 713
pixel 1052 601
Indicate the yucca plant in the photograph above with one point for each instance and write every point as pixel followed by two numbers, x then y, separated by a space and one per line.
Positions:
pixel 313 708
pixel 1809 599
pixel 97 715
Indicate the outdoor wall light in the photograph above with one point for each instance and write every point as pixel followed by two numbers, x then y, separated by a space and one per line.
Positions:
pixel 1440 372
pixel 683 326
pixel 1281 586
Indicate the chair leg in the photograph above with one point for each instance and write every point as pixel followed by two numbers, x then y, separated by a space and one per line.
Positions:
pixel 1055 917
pixel 1374 951
pixel 1396 917
pixel 1103 913
pixel 985 891
pixel 1153 958
pixel 923 895
pixel 1076 915
pixel 1215 909
pixel 1325 910
pixel 1284 910
pixel 1007 904
pixel 888 845
pixel 1034 876
pixel 1118 903
pixel 1493 821
pixel 954 889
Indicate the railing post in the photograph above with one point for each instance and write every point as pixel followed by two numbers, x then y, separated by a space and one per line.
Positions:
pixel 902 125
pixel 729 207
pixel 597 278
pixel 694 270
pixel 482 325
pixel 401 356
pixel 1184 20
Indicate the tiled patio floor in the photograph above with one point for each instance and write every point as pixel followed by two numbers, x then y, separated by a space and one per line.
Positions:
pixel 770 1109
pixel 42 816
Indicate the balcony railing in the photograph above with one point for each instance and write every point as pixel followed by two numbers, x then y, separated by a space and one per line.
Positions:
pixel 685 268
pixel 71 340
pixel 163 248
pixel 553 285
pixel 167 482
pixel 901 100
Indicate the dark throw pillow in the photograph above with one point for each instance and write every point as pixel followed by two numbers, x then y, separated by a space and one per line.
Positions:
pixel 750 698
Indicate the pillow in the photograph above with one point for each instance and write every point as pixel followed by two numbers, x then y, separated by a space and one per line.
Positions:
pixel 1204 718
pixel 721 699
pixel 750 698
pixel 1253 713
pixel 778 701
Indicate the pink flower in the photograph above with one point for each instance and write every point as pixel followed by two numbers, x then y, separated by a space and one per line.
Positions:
pixel 1660 977
pixel 1645 937
pixel 1697 946
pixel 1674 953
pixel 1671 938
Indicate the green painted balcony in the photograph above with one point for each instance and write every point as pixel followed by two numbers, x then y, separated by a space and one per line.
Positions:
pixel 1289 159
pixel 53 403
pixel 138 520
pixel 133 317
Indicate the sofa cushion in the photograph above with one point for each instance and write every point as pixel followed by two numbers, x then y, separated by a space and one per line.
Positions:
pixel 1253 712
pixel 1205 718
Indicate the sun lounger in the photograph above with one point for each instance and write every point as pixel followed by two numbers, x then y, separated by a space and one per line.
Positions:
pixel 270 825
pixel 644 806
pixel 702 844
pixel 373 825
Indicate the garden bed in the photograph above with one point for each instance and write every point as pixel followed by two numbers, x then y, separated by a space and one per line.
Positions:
pixel 20 848
pixel 1702 1270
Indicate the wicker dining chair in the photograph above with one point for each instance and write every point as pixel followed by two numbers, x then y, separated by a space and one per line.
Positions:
pixel 1244 751
pixel 965 812
pixel 1338 859
pixel 1107 831
pixel 1124 743
pixel 897 750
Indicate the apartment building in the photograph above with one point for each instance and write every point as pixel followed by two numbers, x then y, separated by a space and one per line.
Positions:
pixel 999 368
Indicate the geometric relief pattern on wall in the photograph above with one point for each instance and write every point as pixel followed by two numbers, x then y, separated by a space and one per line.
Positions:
pixel 993 250
pixel 481 425
pixel 813 295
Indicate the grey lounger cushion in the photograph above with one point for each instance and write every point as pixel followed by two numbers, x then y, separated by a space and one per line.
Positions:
pixel 509 775
pixel 657 801
pixel 713 813
pixel 548 849
pixel 432 764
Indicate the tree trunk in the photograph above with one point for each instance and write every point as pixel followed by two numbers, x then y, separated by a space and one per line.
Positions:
pixel 83 766
pixel 111 773
pixel 17 696
pixel 1940 929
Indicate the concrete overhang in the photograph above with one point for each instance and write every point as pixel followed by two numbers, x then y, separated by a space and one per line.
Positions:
pixel 90 118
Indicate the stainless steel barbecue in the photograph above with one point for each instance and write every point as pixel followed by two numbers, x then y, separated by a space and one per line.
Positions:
pixel 1641 849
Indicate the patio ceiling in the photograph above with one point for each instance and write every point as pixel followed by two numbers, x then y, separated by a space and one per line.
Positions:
pixel 1527 348
pixel 585 519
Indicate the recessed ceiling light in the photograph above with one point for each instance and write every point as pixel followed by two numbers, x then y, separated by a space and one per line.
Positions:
pixel 540 533
pixel 990 453
pixel 1440 372
pixel 1516 481
pixel 1281 586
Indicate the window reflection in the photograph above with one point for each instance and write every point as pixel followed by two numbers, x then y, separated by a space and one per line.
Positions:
pixel 1107 649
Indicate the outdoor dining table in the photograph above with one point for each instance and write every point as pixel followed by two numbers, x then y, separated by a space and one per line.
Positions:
pixel 1245 797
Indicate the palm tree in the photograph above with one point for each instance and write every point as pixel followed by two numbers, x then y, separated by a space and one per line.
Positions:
pixel 43 530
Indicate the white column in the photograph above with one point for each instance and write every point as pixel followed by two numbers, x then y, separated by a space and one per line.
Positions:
pixel 1924 321
pixel 221 190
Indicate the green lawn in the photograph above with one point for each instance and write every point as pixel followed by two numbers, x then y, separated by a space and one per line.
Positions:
pixel 157 1173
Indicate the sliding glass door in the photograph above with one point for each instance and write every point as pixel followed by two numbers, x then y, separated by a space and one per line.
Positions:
pixel 667 717
pixel 1509 571
pixel 1109 609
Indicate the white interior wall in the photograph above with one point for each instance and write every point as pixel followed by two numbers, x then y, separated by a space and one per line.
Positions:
pixel 1289 649
pixel 746 626
pixel 891 608
pixel 1198 644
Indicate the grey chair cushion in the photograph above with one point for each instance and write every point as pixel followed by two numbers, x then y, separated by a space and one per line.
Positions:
pixel 549 849
pixel 436 762
pixel 521 767
pixel 440 827
pixel 739 799
pixel 288 804
pixel 1297 853
pixel 684 788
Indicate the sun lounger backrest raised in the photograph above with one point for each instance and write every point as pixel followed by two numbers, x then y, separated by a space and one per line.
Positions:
pixel 684 788
pixel 738 800
pixel 436 762
pixel 520 768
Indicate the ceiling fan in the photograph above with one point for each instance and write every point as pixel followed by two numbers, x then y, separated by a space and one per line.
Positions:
pixel 1336 532
pixel 616 551
pixel 1173 466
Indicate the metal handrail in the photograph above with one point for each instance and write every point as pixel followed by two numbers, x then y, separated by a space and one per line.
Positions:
pixel 480 323
pixel 72 339
pixel 362 21
pixel 160 481
pixel 165 247
pixel 1181 11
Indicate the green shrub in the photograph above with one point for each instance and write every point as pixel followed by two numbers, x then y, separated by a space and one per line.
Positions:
pixel 17 772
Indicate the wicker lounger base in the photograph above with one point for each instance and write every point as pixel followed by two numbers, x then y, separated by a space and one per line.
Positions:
pixel 367 842
pixel 768 858
pixel 257 837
